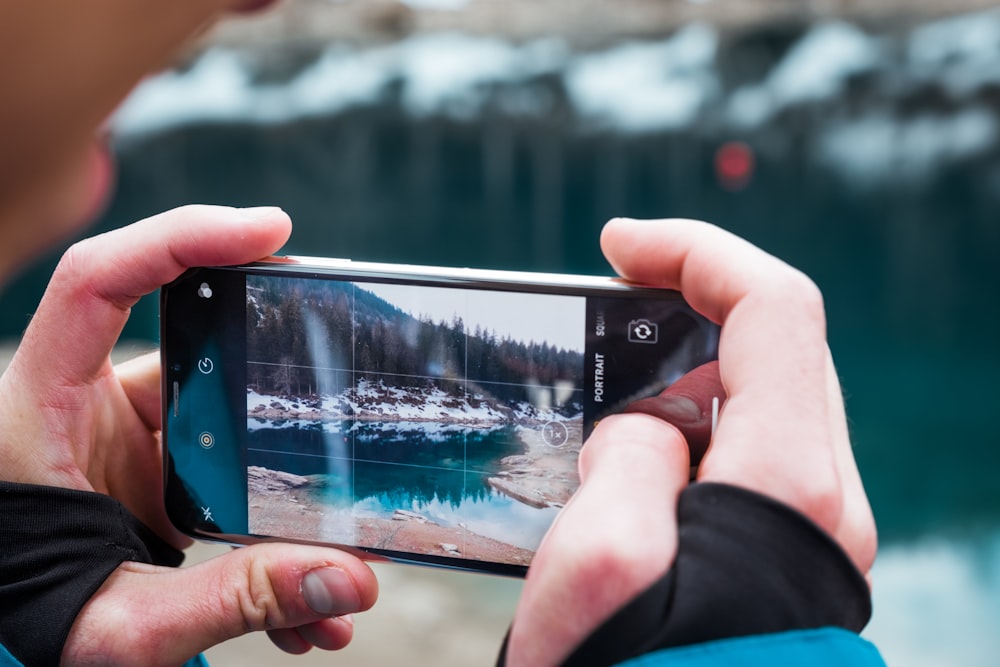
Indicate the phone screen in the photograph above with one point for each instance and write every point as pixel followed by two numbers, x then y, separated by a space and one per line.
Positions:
pixel 419 420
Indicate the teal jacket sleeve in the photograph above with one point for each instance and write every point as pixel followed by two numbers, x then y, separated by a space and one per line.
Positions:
pixel 7 660
pixel 823 647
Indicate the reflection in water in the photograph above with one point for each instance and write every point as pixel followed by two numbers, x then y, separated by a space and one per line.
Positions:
pixel 426 445
pixel 937 603
pixel 411 466
pixel 492 514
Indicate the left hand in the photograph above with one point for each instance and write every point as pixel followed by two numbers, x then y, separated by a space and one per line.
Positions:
pixel 70 419
pixel 67 417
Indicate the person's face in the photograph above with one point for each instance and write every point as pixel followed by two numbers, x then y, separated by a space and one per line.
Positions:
pixel 66 65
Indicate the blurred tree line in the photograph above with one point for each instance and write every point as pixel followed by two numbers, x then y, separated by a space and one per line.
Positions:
pixel 310 338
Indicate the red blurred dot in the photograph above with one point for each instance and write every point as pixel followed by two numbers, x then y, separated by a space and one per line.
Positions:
pixel 734 165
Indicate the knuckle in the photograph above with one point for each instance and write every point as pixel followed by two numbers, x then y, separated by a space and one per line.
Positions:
pixel 807 292
pixel 796 300
pixel 74 260
pixel 820 496
pixel 613 562
pixel 622 567
pixel 259 604
pixel 798 288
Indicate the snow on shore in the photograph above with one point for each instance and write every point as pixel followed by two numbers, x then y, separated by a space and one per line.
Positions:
pixel 374 401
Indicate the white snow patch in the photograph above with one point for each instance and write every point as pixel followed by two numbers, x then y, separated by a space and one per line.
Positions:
pixel 647 86
pixel 880 146
pixel 814 69
pixel 962 52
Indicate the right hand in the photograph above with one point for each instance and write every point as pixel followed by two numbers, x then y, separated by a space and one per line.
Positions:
pixel 782 432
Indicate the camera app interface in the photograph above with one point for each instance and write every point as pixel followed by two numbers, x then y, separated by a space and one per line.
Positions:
pixel 438 421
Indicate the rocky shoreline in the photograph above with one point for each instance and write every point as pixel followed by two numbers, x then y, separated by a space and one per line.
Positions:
pixel 543 476
pixel 284 504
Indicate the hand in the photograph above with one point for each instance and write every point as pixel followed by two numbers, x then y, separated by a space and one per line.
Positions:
pixel 69 419
pixel 782 432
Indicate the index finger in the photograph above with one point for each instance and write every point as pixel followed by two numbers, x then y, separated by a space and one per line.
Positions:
pixel 775 326
pixel 98 280
pixel 776 434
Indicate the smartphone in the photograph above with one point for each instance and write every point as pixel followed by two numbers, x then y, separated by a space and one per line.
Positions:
pixel 417 414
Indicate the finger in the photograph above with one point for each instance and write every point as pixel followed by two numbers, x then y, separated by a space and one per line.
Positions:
pixel 772 350
pixel 101 278
pixel 135 476
pixel 689 404
pixel 632 469
pixel 775 323
pixel 289 641
pixel 140 378
pixel 781 432
pixel 857 530
pixel 330 634
pixel 184 612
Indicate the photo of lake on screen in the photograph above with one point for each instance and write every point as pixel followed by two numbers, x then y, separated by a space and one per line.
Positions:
pixel 406 419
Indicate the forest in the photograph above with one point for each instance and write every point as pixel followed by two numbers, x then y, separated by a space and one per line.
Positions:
pixel 320 337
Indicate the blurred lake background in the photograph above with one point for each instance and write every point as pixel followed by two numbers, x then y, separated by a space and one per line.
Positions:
pixel 859 140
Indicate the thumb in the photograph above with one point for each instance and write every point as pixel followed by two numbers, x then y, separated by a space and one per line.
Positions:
pixel 690 404
pixel 616 536
pixel 149 615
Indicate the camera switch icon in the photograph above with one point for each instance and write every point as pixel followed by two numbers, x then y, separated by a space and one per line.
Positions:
pixel 643 331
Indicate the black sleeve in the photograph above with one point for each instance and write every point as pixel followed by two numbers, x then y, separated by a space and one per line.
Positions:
pixel 746 564
pixel 57 547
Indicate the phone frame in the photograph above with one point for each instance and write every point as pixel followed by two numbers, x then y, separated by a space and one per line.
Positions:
pixel 346 269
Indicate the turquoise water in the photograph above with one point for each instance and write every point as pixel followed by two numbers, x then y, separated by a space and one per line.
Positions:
pixel 376 468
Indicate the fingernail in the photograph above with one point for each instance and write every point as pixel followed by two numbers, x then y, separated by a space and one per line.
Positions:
pixel 329 591
pixel 260 212
pixel 681 408
pixel 670 408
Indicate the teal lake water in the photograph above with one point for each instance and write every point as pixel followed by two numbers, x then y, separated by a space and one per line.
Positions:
pixel 384 466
